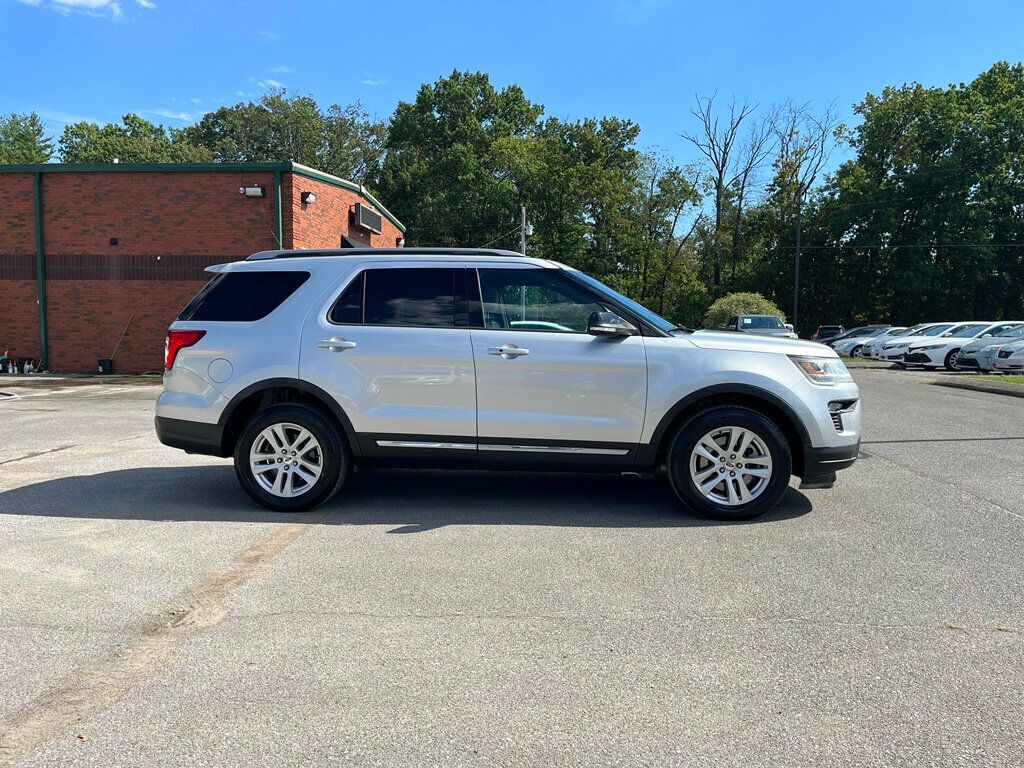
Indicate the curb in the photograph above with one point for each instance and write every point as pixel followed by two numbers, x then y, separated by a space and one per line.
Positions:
pixel 992 387
pixel 16 381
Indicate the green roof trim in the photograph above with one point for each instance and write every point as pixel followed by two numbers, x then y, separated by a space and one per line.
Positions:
pixel 313 173
pixel 285 167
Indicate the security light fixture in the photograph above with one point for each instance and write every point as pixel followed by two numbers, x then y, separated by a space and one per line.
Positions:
pixel 308 198
pixel 254 191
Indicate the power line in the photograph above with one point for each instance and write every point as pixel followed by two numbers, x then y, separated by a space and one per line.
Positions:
pixel 501 237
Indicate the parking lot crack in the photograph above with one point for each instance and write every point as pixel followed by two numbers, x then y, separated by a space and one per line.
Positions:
pixel 148 646
pixel 34 454
pixel 942 480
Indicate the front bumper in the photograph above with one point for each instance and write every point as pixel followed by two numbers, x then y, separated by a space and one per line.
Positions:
pixel 916 357
pixel 821 464
pixel 1008 364
pixel 190 436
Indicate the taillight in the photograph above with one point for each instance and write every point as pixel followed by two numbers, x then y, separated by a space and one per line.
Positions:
pixel 177 341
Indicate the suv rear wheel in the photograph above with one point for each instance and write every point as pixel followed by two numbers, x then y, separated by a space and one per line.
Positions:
pixel 730 463
pixel 290 458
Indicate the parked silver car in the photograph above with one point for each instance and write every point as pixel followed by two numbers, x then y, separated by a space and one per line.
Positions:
pixel 978 355
pixel 301 365
pixel 760 325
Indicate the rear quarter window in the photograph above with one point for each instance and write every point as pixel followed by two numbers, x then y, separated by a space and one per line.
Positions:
pixel 242 297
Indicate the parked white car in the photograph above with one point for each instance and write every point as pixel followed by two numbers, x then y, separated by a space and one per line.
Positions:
pixel 873 348
pixel 854 347
pixel 893 351
pixel 1010 358
pixel 945 351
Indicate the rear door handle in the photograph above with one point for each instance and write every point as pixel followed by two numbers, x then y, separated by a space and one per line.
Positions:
pixel 508 351
pixel 337 344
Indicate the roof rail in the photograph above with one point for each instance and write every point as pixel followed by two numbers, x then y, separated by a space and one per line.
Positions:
pixel 411 251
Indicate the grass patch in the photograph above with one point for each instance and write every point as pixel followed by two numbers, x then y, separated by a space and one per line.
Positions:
pixel 1012 379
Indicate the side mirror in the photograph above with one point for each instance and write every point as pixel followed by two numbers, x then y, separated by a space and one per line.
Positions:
pixel 609 324
pixel 789 326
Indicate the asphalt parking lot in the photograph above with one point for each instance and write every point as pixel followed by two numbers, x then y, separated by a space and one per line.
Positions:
pixel 151 616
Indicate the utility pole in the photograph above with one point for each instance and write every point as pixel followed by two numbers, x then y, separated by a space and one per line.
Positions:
pixel 796 272
pixel 522 229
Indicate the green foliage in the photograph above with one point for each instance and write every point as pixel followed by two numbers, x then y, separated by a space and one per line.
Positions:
pixel 734 304
pixel 135 141
pixel 23 140
pixel 342 140
pixel 441 173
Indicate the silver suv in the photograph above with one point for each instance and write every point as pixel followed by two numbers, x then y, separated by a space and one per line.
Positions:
pixel 303 364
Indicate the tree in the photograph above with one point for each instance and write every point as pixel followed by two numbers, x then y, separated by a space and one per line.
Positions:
pixel 135 141
pixel 23 140
pixel 343 140
pixel 734 304
pixel 806 140
pixel 440 174
pixel 716 140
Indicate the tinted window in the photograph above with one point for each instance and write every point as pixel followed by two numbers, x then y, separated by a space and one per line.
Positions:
pixel 348 309
pixel 242 296
pixel 530 300
pixel 421 297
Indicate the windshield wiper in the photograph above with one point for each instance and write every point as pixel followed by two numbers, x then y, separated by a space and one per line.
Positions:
pixel 683 328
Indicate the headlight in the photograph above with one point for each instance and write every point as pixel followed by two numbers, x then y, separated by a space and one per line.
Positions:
pixel 825 371
pixel 929 347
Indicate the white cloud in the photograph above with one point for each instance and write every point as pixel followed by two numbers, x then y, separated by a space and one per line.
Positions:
pixel 64 118
pixel 372 82
pixel 270 84
pixel 268 35
pixel 284 69
pixel 167 114
pixel 99 8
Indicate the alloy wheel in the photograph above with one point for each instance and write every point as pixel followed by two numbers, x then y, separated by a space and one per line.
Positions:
pixel 730 466
pixel 286 460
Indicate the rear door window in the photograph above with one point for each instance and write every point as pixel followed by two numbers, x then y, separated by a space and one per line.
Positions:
pixel 431 297
pixel 242 297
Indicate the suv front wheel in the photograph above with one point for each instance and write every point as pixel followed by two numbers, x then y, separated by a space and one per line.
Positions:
pixel 729 462
pixel 290 458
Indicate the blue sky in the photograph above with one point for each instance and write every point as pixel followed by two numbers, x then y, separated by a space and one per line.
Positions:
pixel 171 60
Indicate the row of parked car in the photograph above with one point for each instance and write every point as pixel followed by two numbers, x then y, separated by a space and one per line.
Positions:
pixel 955 346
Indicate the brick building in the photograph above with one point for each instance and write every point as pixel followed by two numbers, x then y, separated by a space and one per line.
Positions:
pixel 98 257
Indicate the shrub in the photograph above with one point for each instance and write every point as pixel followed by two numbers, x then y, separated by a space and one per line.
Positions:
pixel 734 304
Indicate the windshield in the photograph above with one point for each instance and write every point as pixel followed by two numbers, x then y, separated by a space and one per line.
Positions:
pixel 968 331
pixel 637 309
pixel 935 330
pixel 760 321
pixel 1009 330
pixel 863 332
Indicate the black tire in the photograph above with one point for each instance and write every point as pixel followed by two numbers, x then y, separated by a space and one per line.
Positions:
pixel 855 352
pixel 950 362
pixel 686 439
pixel 333 454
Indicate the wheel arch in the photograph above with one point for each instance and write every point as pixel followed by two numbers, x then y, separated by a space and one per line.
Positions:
pixel 268 392
pixel 761 400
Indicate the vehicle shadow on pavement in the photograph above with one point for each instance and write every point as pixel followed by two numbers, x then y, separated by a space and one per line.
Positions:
pixel 412 500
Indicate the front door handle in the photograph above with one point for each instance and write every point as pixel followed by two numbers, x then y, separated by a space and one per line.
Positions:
pixel 337 344
pixel 508 351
